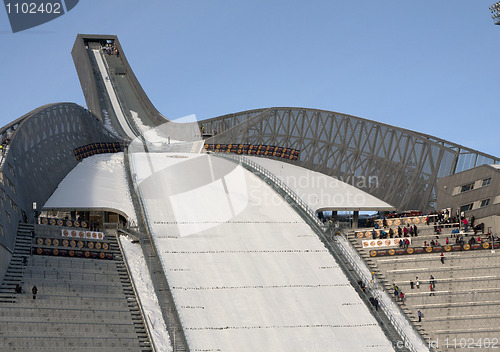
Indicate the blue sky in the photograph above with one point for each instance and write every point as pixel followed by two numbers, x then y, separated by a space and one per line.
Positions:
pixel 428 65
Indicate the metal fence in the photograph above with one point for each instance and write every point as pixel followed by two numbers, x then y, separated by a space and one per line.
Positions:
pixel 157 273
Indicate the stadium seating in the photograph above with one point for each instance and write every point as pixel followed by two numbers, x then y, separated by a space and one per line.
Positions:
pixel 82 304
pixel 466 300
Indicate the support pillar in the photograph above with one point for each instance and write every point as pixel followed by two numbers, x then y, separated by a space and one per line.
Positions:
pixel 355 217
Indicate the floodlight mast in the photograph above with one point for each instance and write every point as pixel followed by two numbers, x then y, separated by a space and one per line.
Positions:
pixel 495 12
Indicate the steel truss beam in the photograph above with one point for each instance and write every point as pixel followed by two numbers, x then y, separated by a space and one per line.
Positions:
pixel 396 165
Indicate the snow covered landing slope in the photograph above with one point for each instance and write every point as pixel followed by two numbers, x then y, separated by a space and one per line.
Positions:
pixel 246 272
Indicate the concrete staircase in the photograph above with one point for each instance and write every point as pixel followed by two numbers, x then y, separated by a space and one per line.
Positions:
pixel 18 262
pixel 83 304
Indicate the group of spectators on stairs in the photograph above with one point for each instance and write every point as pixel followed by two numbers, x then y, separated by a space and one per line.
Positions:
pixel 405 231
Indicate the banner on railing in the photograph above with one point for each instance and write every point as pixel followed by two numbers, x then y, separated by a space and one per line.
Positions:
pixel 403 221
pixel 435 249
pixel 387 242
pixel 258 150
pixel 72 253
pixel 96 148
pixel 63 222
pixel 90 235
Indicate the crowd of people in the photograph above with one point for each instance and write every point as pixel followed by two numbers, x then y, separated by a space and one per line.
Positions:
pixel 405 231
pixel 440 219
pixel 111 49
pixel 462 230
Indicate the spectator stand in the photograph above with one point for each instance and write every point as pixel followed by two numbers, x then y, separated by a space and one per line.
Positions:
pixel 466 295
pixel 71 242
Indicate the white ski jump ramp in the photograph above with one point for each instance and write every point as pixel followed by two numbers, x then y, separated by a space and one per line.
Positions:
pixel 246 272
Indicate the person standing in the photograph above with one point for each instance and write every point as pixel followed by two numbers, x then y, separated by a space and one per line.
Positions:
pixel 417 283
pixel 419 313
pixel 442 258
pixel 432 290
pixel 34 290
pixel 433 282
pixel 411 284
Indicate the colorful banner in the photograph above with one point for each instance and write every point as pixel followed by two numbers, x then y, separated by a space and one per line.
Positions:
pixel 251 149
pixel 62 222
pixel 96 148
pixel 72 253
pixel 412 220
pixel 386 242
pixel 435 249
pixel 79 234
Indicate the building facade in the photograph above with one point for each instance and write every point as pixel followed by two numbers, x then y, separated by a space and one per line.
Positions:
pixel 475 192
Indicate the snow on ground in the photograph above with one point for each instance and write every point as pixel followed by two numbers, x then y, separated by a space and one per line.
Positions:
pixel 96 182
pixel 112 95
pixel 107 123
pixel 147 296
pixel 246 272
pixel 152 135
pixel 159 138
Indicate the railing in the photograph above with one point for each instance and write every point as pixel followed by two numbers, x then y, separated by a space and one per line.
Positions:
pixel 411 338
pixel 144 215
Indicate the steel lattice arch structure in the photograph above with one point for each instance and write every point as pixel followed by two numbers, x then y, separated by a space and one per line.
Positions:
pixel 394 164
pixel 38 156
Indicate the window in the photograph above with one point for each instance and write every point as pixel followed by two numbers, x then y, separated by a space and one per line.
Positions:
pixel 7 215
pixel 484 202
pixel 466 207
pixel 467 187
pixel 486 182
pixel 2 234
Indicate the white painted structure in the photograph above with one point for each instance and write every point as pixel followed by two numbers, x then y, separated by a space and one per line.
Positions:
pixel 96 183
pixel 322 192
